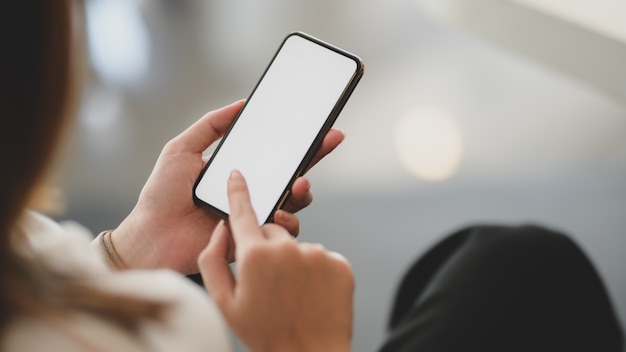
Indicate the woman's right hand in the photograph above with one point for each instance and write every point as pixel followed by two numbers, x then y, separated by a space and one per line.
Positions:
pixel 286 296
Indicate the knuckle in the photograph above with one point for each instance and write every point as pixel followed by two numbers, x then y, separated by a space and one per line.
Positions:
pixel 287 250
pixel 314 252
pixel 333 264
pixel 313 247
pixel 172 146
pixel 291 223
pixel 344 266
pixel 341 261
pixel 293 228
pixel 260 248
pixel 275 231
pixel 272 228
pixel 288 247
pixel 341 264
pixel 255 253
pixel 343 274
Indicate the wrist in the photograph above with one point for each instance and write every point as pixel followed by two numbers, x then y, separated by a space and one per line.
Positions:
pixel 107 251
pixel 133 245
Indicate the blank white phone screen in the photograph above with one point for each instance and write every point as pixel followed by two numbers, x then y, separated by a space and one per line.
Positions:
pixel 278 124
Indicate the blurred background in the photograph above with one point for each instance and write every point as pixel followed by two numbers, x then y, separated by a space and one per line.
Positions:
pixel 470 111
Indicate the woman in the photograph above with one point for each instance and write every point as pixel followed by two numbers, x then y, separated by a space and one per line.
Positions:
pixel 485 288
pixel 57 294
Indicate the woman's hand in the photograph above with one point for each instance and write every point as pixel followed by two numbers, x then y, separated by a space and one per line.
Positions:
pixel 287 296
pixel 166 228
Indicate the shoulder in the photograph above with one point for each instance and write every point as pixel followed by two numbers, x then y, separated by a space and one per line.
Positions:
pixel 193 323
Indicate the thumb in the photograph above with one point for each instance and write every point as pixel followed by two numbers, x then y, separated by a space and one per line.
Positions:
pixel 213 263
pixel 209 128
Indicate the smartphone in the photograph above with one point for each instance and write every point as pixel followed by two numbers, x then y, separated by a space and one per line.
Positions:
pixel 281 125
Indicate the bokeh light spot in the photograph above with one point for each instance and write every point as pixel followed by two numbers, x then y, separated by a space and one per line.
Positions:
pixel 429 144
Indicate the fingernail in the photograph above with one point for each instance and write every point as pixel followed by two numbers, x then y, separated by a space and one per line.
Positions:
pixel 235 176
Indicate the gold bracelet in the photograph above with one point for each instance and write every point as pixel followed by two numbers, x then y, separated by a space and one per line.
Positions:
pixel 108 253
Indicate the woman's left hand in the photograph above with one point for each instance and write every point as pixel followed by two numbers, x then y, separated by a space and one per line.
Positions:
pixel 166 229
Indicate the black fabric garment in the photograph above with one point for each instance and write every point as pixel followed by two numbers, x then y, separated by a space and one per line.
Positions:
pixel 490 288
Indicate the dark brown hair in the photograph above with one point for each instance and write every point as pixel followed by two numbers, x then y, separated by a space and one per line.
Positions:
pixel 36 92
